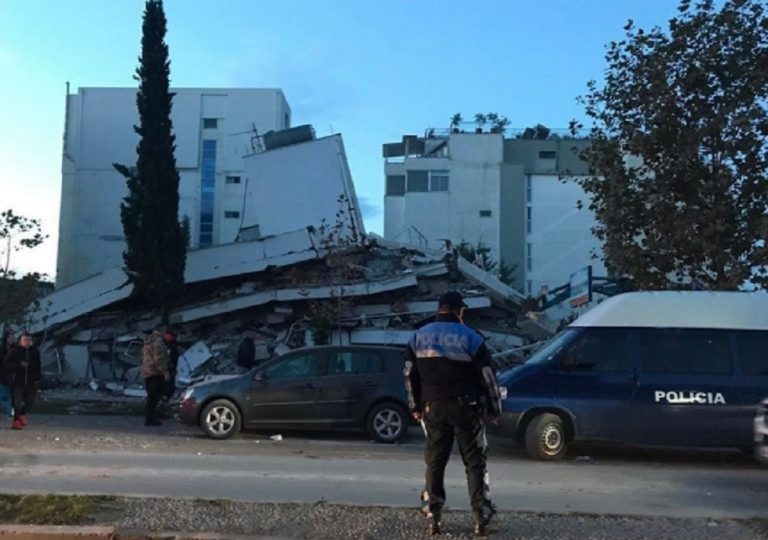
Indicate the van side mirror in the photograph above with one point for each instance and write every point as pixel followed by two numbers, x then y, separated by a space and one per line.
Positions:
pixel 260 376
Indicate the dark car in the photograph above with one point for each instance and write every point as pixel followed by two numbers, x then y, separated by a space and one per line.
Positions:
pixel 312 388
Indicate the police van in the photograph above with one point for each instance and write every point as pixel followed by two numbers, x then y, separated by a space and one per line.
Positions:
pixel 646 368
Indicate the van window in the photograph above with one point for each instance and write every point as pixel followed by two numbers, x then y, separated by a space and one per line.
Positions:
pixel 753 352
pixel 670 351
pixel 553 346
pixel 603 352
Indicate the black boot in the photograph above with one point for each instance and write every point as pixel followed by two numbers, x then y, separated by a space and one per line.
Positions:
pixel 433 523
pixel 481 523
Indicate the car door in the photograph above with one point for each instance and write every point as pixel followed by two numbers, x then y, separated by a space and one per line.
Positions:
pixel 687 390
pixel 592 378
pixel 350 384
pixel 752 354
pixel 285 391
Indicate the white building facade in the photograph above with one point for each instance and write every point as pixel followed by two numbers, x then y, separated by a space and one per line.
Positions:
pixel 504 193
pixel 214 129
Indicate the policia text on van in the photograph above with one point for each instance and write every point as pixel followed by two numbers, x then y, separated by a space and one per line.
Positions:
pixel 649 368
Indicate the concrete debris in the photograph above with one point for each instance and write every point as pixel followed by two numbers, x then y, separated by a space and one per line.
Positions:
pixel 249 302
pixel 135 391
pixel 191 359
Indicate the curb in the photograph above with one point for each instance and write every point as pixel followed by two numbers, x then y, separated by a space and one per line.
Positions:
pixel 51 532
pixel 62 532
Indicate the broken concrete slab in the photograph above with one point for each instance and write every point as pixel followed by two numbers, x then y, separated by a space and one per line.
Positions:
pixel 292 294
pixel 206 264
pixel 191 359
pixel 135 391
pixel 496 288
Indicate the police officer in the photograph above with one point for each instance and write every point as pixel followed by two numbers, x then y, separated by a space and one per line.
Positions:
pixel 450 380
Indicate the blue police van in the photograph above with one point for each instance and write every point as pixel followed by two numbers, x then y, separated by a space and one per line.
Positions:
pixel 645 368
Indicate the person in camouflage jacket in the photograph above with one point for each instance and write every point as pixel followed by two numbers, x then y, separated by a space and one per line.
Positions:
pixel 155 370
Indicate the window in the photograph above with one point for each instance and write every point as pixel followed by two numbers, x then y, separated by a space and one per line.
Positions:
pixel 529 220
pixel 603 352
pixel 669 351
pixel 232 180
pixel 529 286
pixel 296 367
pixel 485 213
pixel 529 257
pixel 210 123
pixel 418 181
pixel 528 189
pixel 438 180
pixel 229 214
pixel 753 352
pixel 547 154
pixel 395 184
pixel 207 189
pixel 287 120
pixel 355 362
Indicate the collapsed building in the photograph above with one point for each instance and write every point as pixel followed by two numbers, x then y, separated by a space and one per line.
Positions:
pixel 279 293
pixel 279 286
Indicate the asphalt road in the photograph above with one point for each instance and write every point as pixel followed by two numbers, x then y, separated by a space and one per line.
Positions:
pixel 117 455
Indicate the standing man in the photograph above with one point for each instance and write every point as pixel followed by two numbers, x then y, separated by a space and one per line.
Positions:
pixel 173 363
pixel 5 389
pixel 450 380
pixel 23 369
pixel 155 370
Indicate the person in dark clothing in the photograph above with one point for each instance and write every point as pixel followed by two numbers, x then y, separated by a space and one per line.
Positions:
pixel 5 390
pixel 173 363
pixel 246 353
pixel 450 382
pixel 22 367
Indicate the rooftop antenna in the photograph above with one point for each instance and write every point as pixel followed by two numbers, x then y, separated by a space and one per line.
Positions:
pixel 255 138
pixel 331 126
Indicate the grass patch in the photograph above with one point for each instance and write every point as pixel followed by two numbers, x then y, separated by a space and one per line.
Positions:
pixel 51 509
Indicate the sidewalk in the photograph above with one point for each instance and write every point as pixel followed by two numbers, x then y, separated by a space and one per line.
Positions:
pixel 52 532
pixel 145 518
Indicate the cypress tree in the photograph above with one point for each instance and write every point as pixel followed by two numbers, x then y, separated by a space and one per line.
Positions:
pixel 155 255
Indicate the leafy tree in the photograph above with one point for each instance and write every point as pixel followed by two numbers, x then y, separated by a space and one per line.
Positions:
pixel 155 257
pixel 678 149
pixel 17 292
pixel 480 256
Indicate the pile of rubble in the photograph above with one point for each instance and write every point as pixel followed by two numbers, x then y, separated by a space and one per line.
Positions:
pixel 247 302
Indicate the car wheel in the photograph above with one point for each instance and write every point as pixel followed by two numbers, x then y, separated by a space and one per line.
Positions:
pixel 387 422
pixel 545 438
pixel 220 419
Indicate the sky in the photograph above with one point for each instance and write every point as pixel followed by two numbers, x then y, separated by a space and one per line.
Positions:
pixel 370 70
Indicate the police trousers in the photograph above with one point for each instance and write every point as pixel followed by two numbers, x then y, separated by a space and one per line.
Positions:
pixel 458 418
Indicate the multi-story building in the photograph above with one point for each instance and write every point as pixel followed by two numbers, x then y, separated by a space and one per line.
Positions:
pixel 214 129
pixel 504 193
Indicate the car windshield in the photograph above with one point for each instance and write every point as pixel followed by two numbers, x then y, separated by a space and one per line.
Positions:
pixel 553 346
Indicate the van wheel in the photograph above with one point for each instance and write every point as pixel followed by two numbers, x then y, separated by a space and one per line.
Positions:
pixel 545 438
pixel 220 419
pixel 387 422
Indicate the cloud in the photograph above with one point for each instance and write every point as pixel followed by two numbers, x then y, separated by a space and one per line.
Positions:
pixel 370 210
